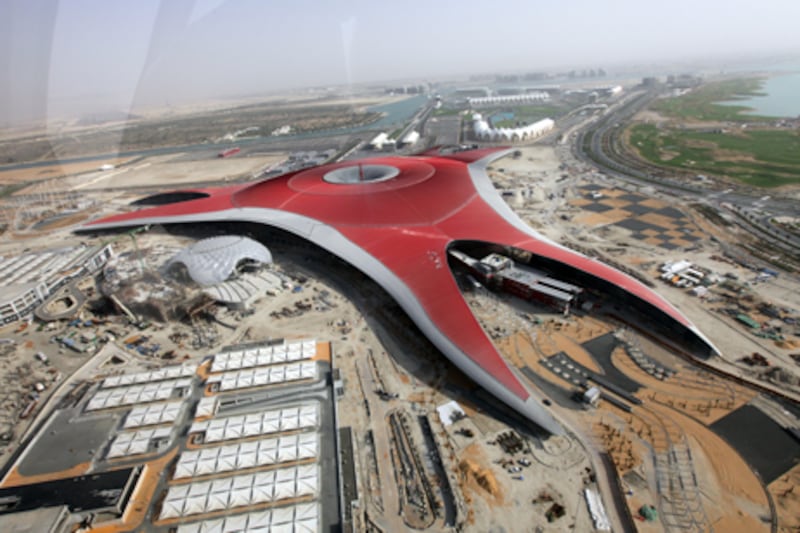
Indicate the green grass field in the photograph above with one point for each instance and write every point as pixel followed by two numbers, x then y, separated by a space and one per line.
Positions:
pixel 702 103
pixel 446 112
pixel 762 158
pixel 527 114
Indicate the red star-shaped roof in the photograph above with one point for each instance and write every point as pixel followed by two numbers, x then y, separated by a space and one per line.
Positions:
pixel 394 218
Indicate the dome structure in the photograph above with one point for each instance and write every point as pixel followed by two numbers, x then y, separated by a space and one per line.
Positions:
pixel 213 260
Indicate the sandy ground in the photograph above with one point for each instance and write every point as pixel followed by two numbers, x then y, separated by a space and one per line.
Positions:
pixel 163 171
pixel 54 171
pixel 683 406
pixel 786 494
pixel 306 99
pixel 549 200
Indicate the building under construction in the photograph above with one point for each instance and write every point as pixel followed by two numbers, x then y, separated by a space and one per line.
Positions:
pixel 501 272
pixel 28 279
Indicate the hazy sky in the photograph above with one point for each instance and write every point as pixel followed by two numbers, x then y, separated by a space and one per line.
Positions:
pixel 75 56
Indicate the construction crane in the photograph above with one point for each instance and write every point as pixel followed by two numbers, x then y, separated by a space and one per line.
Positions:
pixel 132 234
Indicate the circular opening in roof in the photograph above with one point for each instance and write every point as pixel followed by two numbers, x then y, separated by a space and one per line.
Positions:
pixel 361 174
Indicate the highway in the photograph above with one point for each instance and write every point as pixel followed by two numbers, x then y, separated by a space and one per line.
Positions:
pixel 599 144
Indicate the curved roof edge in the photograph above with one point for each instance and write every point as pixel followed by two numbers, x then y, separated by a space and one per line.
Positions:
pixel 332 240
pixel 482 183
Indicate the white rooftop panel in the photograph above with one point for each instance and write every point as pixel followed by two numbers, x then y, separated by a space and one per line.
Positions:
pixel 199 426
pixel 217 501
pixel 169 372
pixel 216 525
pixel 236 523
pixel 222 485
pixel 133 394
pixel 208 454
pixel 198 489
pixel 267 455
pixel 177 492
pixel 260 379
pixel 194 505
pixel 306 510
pixel 245 381
pixel 184 469
pixel 215 435
pixel 299 518
pixel 134 420
pixel 117 450
pixel 259 519
pixel 207 406
pixel 241 497
pixel 190 455
pixel 252 429
pixel 226 464
pixel 162 432
pixel 263 479
pixel 307 525
pixel 112 381
pixel 261 494
pixel 236 420
pixel 172 509
pixel 283 515
pixel 187 528
pixel 236 427
pixel 306 487
pixel 246 460
pixel 138 447
pixel 204 467
pixel 283 490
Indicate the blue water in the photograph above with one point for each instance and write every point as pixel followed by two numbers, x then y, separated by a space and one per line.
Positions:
pixel 499 117
pixel 397 113
pixel 782 97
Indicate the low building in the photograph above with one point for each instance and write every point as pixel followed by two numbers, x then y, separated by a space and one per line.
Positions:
pixel 485 132
pixel 27 280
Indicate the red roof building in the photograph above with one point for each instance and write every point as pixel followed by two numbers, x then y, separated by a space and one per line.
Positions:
pixel 394 218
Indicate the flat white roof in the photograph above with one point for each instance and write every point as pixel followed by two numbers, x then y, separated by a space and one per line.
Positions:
pixel 272 375
pixel 245 455
pixel 153 414
pixel 162 374
pixel 136 442
pixel 207 406
pixel 134 394
pixel 303 518
pixel 254 424
pixel 240 491
pixel 264 355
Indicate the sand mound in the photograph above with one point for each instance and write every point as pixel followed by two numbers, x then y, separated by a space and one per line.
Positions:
pixel 484 478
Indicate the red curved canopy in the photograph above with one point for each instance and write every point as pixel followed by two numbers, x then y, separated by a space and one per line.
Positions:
pixel 407 222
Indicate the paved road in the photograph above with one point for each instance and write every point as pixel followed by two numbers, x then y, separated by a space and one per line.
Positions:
pixel 391 520
pixel 590 146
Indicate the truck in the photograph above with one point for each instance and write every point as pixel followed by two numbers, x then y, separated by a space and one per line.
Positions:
pixel 229 152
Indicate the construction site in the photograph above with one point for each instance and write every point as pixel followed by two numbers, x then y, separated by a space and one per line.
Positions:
pixel 231 377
